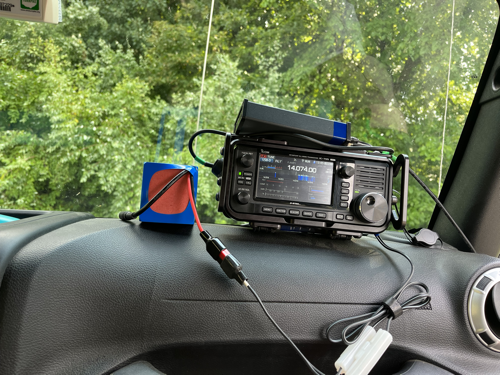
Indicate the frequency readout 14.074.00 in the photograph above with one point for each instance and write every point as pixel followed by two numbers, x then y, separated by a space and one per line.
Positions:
pixel 301 168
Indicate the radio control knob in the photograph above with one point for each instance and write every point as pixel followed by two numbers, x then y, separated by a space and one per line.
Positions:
pixel 217 196
pixel 219 181
pixel 243 197
pixel 370 207
pixel 346 172
pixel 247 160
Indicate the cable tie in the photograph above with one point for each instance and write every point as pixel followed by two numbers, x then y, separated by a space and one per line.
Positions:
pixel 395 309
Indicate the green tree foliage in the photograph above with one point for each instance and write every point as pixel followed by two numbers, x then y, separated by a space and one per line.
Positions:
pixel 81 102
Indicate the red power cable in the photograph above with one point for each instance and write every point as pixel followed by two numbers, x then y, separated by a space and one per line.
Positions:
pixel 191 200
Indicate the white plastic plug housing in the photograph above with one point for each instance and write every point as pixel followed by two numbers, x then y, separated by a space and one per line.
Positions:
pixel 360 357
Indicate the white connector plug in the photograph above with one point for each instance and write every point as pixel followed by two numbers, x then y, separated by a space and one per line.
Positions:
pixel 360 357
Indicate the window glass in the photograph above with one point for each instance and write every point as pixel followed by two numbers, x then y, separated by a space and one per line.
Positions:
pixel 83 104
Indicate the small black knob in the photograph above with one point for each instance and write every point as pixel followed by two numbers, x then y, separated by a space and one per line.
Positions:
pixel 217 196
pixel 346 172
pixel 243 197
pixel 221 151
pixel 247 160
pixel 219 181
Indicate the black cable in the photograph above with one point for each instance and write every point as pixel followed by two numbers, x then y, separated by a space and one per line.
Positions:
pixel 361 321
pixel 405 231
pixel 327 145
pixel 429 191
pixel 127 215
pixel 193 137
pixel 412 268
pixel 408 235
pixel 383 311
pixel 441 206
pixel 442 243
pixel 388 325
pixel 311 367
pixel 364 147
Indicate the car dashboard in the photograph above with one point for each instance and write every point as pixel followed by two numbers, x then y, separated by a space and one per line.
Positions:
pixel 85 295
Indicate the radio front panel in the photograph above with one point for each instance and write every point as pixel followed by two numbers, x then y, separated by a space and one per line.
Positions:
pixel 289 185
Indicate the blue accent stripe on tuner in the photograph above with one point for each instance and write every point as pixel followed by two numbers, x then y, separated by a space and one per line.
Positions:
pixel 339 133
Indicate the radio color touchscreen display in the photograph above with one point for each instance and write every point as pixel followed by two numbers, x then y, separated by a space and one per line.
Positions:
pixel 294 179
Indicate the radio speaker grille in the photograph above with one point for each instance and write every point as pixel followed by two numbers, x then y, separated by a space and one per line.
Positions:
pixel 368 177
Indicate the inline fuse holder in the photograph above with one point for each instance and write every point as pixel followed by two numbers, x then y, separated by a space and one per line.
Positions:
pixel 218 251
pixel 360 357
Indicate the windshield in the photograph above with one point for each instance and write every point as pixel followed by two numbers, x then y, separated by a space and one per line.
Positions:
pixel 83 104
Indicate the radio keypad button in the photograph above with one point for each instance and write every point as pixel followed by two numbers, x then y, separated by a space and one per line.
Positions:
pixel 307 213
pixel 343 204
pixel 241 182
pixel 249 174
pixel 294 212
pixel 349 217
pixel 248 178
pixel 321 215
pixel 248 182
pixel 344 191
pixel 339 217
pixel 281 211
pixel 344 198
pixel 346 184
pixel 267 209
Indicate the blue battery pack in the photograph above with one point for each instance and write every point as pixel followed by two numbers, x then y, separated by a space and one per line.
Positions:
pixel 173 207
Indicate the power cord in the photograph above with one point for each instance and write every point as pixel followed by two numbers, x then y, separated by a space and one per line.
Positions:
pixel 441 206
pixel 390 309
pixel 233 269
pixel 405 231
pixel 193 137
pixel 127 215
pixel 311 367
pixel 408 235
pixel 364 147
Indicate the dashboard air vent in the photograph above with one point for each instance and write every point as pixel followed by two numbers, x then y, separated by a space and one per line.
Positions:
pixel 484 309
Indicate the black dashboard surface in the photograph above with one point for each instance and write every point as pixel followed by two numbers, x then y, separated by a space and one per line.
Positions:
pixel 94 295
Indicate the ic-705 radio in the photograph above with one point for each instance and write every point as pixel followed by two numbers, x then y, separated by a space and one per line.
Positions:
pixel 277 186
